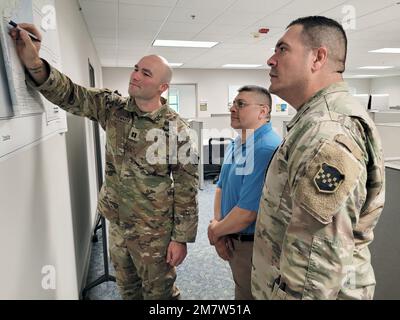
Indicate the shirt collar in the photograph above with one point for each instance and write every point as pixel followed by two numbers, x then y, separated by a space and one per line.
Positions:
pixel 131 106
pixel 340 86
pixel 265 128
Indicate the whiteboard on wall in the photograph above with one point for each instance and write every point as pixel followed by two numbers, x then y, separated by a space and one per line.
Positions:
pixel 25 116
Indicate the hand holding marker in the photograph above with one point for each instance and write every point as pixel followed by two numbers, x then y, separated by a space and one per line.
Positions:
pixel 32 36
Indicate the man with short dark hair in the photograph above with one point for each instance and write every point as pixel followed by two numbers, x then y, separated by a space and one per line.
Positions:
pixel 324 190
pixel 240 183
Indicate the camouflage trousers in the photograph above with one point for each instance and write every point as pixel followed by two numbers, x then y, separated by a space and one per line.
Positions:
pixel 140 273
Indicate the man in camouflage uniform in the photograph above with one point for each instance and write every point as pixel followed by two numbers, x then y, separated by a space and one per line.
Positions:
pixel 324 189
pixel 151 181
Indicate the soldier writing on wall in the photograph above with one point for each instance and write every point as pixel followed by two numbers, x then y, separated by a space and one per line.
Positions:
pixel 324 190
pixel 150 198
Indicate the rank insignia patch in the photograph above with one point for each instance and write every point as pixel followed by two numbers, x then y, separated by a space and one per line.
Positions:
pixel 328 179
pixel 134 134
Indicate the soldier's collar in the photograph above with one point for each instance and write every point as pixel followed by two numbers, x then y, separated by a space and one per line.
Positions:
pixel 131 106
pixel 334 87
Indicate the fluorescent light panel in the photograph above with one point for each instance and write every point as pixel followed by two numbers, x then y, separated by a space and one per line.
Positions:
pixel 364 75
pixel 232 65
pixel 386 50
pixel 376 67
pixel 187 44
pixel 175 64
pixel 373 94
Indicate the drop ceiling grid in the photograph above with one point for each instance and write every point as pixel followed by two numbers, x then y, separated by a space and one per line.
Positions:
pixel 232 23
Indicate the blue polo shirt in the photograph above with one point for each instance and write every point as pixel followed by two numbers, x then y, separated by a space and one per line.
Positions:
pixel 243 171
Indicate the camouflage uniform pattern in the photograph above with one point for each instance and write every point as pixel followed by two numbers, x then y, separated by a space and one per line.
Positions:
pixel 312 235
pixel 153 203
pixel 140 268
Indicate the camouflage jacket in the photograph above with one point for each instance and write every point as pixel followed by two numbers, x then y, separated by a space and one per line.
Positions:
pixel 146 187
pixel 322 198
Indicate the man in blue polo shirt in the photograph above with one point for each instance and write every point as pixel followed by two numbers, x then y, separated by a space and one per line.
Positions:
pixel 240 184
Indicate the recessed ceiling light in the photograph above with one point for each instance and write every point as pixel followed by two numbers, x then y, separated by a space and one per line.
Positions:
pixel 376 67
pixel 386 50
pixel 188 44
pixel 175 64
pixel 233 65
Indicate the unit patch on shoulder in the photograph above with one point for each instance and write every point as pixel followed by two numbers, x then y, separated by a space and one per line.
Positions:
pixel 328 178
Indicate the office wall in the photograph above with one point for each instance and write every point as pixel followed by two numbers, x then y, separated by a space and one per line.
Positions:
pixel 359 86
pixel 212 84
pixel 48 193
pixel 389 85
pixel 212 87
pixel 389 133
pixel 36 223
pixel 76 49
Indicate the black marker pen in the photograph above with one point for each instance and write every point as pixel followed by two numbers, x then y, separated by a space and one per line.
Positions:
pixel 32 36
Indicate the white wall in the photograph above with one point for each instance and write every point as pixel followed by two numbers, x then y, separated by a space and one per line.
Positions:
pixel 389 134
pixel 36 223
pixel 212 87
pixel 389 85
pixel 212 84
pixel 187 99
pixel 359 86
pixel 48 193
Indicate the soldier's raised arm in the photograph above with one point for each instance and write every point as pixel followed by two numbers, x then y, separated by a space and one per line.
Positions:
pixel 56 87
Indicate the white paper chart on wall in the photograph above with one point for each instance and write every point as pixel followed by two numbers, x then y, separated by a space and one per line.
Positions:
pixel 25 101
pixel 25 116
pixel 41 13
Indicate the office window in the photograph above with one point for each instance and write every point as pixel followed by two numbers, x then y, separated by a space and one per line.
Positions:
pixel 173 99
pixel 183 99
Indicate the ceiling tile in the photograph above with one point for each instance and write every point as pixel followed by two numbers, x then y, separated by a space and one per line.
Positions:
pixel 141 12
pixel 158 3
pixel 234 24
pixel 98 9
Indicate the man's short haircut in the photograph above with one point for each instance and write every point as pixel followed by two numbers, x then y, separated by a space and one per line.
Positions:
pixel 263 92
pixel 322 31
pixel 257 89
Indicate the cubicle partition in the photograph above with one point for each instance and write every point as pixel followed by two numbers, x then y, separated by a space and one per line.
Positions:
pixel 385 249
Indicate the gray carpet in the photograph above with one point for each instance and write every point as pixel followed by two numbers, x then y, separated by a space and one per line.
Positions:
pixel 202 276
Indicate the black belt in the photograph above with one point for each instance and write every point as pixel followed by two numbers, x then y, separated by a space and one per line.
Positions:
pixel 242 237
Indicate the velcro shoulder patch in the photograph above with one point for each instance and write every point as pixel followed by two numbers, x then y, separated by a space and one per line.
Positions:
pixel 327 182
pixel 328 178
pixel 350 145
